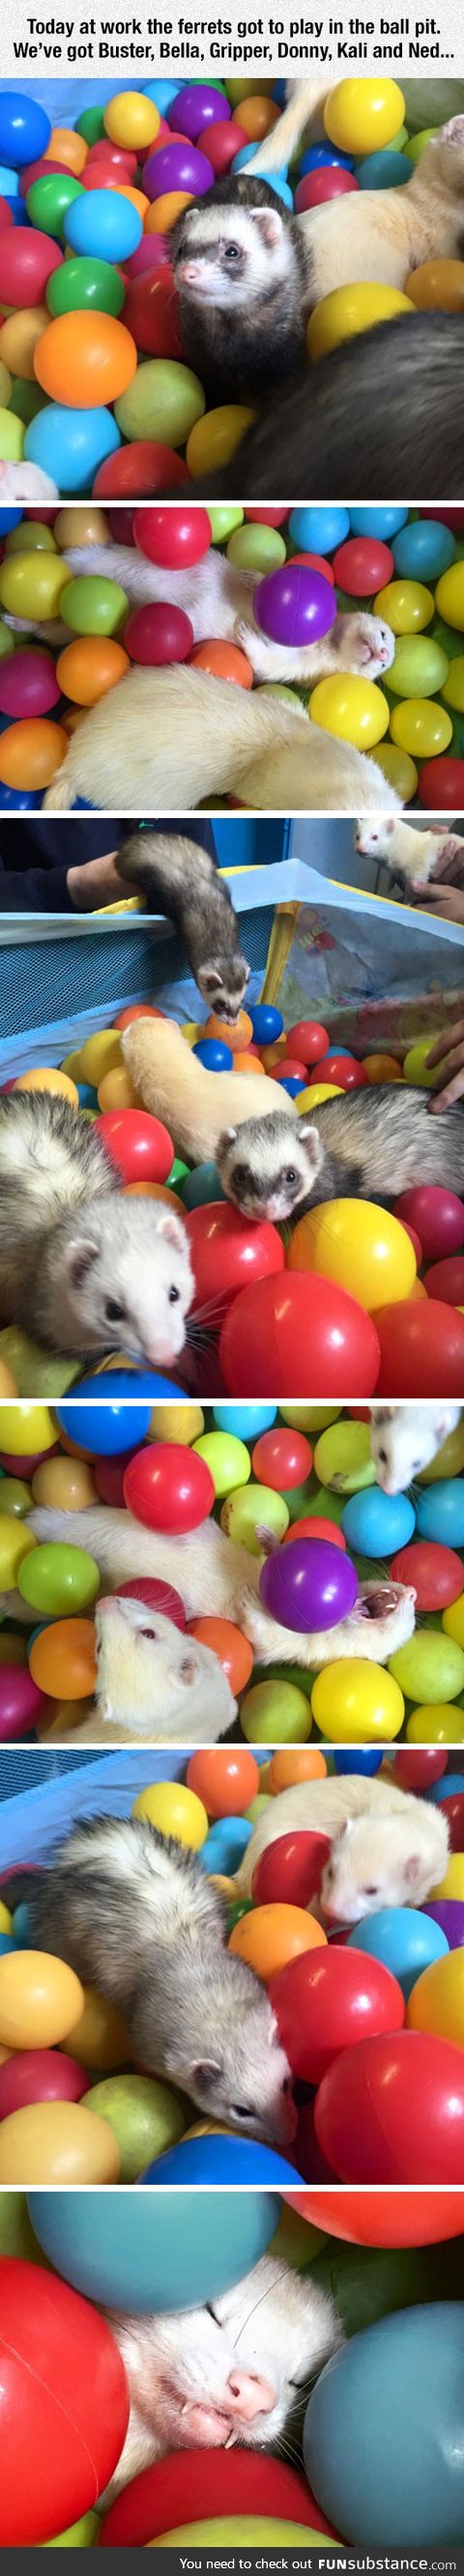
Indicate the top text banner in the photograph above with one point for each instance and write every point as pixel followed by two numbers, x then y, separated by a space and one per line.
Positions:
pixel 278 42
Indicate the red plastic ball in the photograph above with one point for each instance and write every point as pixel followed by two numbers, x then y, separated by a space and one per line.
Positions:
pixel 446 1280
pixel 344 1070
pixel 282 1459
pixel 40 2075
pixel 155 1595
pixel 392 2218
pixel 438 1215
pixel 417 1766
pixel 289 1872
pixel 300 1336
pixel 152 252
pixel 151 313
pixel 28 685
pixel 319 186
pixel 65 2405
pixel 307 1039
pixel 108 1474
pixel 362 565
pixel 28 260
pixel 207 2483
pixel 21 1703
pixel 173 538
pixel 169 1488
pixel 440 784
pixel 316 563
pixel 226 1781
pixel 159 634
pixel 138 1143
pixel 40 169
pixel 392 2110
pixel 314 1527
pixel 6 214
pixel 421 1349
pixel 228 1251
pixel 290 1065
pixel 146 465
pixel 123 164
pixel 327 2001
pixel 453 1809
pixel 224 140
pixel 436 1573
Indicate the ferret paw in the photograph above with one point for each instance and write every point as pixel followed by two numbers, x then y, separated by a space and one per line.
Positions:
pixel 265 658
pixel 364 644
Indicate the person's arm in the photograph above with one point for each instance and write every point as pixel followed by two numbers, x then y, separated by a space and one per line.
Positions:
pixel 448 1053
pixel 63 890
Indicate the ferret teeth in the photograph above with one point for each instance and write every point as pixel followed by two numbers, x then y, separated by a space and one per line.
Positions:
pixel 231 2438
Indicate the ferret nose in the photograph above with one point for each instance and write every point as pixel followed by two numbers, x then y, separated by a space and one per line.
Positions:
pixel 248 2397
pixel 189 270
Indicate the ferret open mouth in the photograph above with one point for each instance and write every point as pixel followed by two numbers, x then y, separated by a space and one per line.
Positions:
pixel 203 2426
pixel 377 1604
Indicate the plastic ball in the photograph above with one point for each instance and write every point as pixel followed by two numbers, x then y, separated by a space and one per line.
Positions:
pixel 282 1459
pixel 228 1460
pixel 21 1703
pixel 407 605
pixel 177 166
pixel 219 2157
pixel 281 1335
pixel 364 115
pixel 169 1488
pixel 274 1712
pixel 28 686
pixel 330 2003
pixel 308 1039
pixel 131 119
pixel 419 667
pixel 163 402
pixel 142 2268
pixel 28 259
pixel 407 1942
pixel 422 1349
pixel 57 2142
pixel 349 309
pixel 353 709
pixel 225 1640
pixel 85 358
pixel 389 2218
pixel 440 785
pixel 62 1659
pixel 24 128
pixel 396 2112
pixel 311 1586
pixel 40 2000
pixel 358 1703
pixel 400 2377
pixel 64 1578
pixel 85 283
pixel 174 1810
pixel 224 1779
pixel 31 585
pixel 362 564
pixel 449 1916
pixel 71 444
pixel 430 1668
pixel 435 1572
pixel 91 666
pixel 421 727
pixel 318 187
pixel 438 1216
pixel 228 1251
pixel 439 1724
pixel 31 752
pixel 213 441
pixel 273 1935
pixel 239 2483
pixel 126 475
pixel 294 606
pixel 93 606
pixel 65 2404
pixel 357 1246
pixel 376 1522
pixel 289 1871
pixel 48 200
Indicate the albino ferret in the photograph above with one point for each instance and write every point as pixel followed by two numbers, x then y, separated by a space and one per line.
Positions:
pixel 232 2371
pixel 386 1848
pixel 218 599
pixel 410 854
pixel 405 1438
pixel 154 1685
pixel 168 740
pixel 379 233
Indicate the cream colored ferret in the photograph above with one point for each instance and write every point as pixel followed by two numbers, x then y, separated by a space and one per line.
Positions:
pixel 382 233
pixel 195 1103
pixel 405 1438
pixel 154 1684
pixel 218 599
pixel 165 741
pixel 232 2371
pixel 386 1848
pixel 410 854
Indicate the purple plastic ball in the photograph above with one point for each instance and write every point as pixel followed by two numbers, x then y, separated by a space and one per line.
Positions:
pixel 196 107
pixel 177 166
pixel 293 605
pixel 450 1915
pixel 308 1585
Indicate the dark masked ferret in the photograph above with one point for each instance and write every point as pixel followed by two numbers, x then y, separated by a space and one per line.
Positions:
pixel 182 879
pixel 386 1848
pixel 232 2371
pixel 81 1266
pixel 133 1912
pixel 381 414
pixel 362 1144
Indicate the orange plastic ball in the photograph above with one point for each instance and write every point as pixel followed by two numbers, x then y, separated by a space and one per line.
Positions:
pixel 257 116
pixel 224 661
pixel 137 1011
pixel 87 669
pixel 85 359
pixel 271 1055
pixel 165 210
pixel 40 1999
pixel 288 1767
pixel 437 286
pixel 272 1935
pixel 236 1037
pixel 47 1077
pixel 64 1484
pixel 58 2142
pixel 247 1063
pixel 136 197
pixel 225 1781
pixel 154 1190
pixel 67 147
pixel 382 1068
pixel 232 1649
pixel 31 752
pixel 63 1661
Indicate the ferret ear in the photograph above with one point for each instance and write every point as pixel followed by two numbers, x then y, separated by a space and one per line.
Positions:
pixel 188 1672
pixel 269 223
pixel 311 1137
pixel 206 2073
pixel 171 1226
pixel 229 1137
pixel 413 1869
pixel 79 1260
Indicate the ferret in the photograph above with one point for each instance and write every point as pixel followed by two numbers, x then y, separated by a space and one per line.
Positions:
pixel 232 2371
pixel 181 878
pixel 218 599
pixel 172 739
pixel 134 1913
pixel 208 1567
pixel 90 1269
pixel 362 1144
pixel 381 414
pixel 411 855
pixel 386 1848
pixel 154 1685
pixel 186 1094
pixel 26 483
pixel 405 1437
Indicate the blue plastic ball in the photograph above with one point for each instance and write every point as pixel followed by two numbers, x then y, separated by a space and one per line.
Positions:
pixel 247 153
pixel 378 1523
pixel 10 518
pixel 202 1186
pixel 382 2441
pixel 223 1850
pixel 405 1940
pixel 280 186
pixel 218 2159
pixel 70 445
pixel 318 529
pixel 323 156
pixel 293 1083
pixel 450 1786
pixel 440 1512
pixel 111 1424
pixel 246 1420
pixel 6 1943
pixel 20 801
pixel 107 226
pixel 9 182
pixel 116 2254
pixel 24 128
pixel 384 170
pixel 382 521
pixel 362 1761
pixel 212 1053
pixel 19 213
pixel 22 1928
pixel 424 549
pixel 267 1023
pixel 88 1097
pixel 162 92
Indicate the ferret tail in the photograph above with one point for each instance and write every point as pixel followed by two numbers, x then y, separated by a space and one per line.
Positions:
pixel 279 146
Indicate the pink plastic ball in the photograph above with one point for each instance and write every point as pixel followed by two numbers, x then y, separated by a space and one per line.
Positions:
pixel 40 2075
pixel 28 685
pixel 446 1280
pixel 159 634
pixel 21 1703
pixel 439 1217
pixel 151 253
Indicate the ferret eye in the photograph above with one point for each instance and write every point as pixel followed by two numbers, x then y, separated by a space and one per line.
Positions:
pixel 114 1313
pixel 383 1457
pixel 370 1891
pixel 231 251
pixel 173 1295
pixel 290 1178
pixel 243 2111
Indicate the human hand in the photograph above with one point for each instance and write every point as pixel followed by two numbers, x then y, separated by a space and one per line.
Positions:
pixel 444 902
pixel 96 883
pixel 448 1053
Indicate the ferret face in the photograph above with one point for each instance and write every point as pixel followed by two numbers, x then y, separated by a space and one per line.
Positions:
pixel 246 2081
pixel 267 1166
pixel 223 983
pixel 151 1675
pixel 127 1282
pixel 379 1861
pixel 231 2372
pixel 230 255
pixel 373 837
pixel 404 1438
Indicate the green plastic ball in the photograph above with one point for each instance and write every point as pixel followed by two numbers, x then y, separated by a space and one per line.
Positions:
pixel 343 1458
pixel 146 2117
pixel 163 402
pixel 224 517
pixel 93 606
pixel 416 1068
pixel 91 124
pixel 247 1513
pixel 420 666
pixel 85 285
pixel 430 1669
pixel 15 1497
pixel 49 199
pixel 32 536
pixel 275 1713
pixel 81 2535
pixel 62 1579
pixel 228 1460
pixel 7 641
pixel 256 549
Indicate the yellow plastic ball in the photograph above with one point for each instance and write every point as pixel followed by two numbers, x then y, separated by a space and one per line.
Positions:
pixel 353 709
pixel 343 1458
pixel 25 1428
pixel 357 1703
pixel 31 584
pixel 453 1622
pixel 11 437
pixel 400 770
pixel 407 606
pixel 452 1884
pixel 213 439
pixel 131 120
pixel 164 212
pixel 316 1091
pixel 421 726
pixel 360 1246
pixel 82 526
pixel 100 1054
pixel 5 1918
pixel 58 2142
pixel 441 1724
pixel 16 1542
pixel 174 1810
pixel 309 1417
pixel 47 1077
pixel 117 1091
pixel 453 687
pixel 18 340
pixel 364 115
pixel 416 1068
pixel 177 1422
pixel 99 2038
pixel 436 2002
pixel 449 1460
pixel 450 595
pixel 349 309
pixel 40 1999
pixel 64 1484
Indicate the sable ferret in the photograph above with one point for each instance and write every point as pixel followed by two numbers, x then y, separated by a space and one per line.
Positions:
pixel 386 1848
pixel 232 2371
pixel 82 1268
pixel 381 414
pixel 169 740
pixel 134 1913
pixel 154 1684
pixel 362 1144
pixel 412 855
pixel 182 878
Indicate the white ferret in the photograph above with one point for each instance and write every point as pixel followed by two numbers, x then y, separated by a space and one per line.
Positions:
pixel 134 1913
pixel 93 1270
pixel 405 1438
pixel 218 599
pixel 382 233
pixel 166 741
pixel 410 854
pixel 386 1848
pixel 25 483
pixel 154 1685
pixel 232 2371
